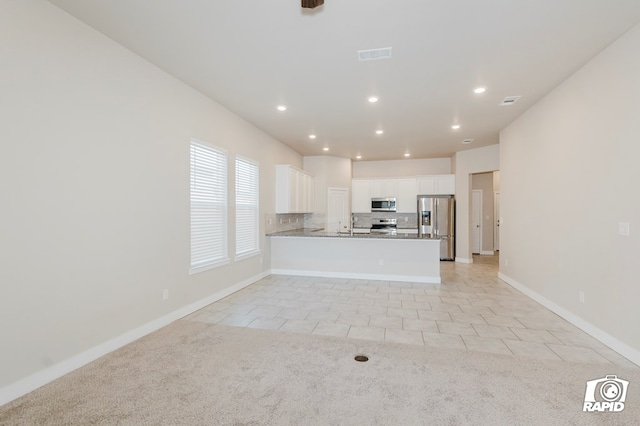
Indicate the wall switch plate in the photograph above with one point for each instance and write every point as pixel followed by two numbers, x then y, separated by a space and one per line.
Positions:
pixel 624 228
pixel 165 294
pixel 581 296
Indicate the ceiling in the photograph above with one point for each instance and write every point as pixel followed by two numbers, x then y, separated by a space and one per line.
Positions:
pixel 251 56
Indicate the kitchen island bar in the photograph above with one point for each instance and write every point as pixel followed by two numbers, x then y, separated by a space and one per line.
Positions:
pixel 399 257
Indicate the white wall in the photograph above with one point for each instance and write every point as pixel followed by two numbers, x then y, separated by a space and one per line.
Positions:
pixel 569 175
pixel 94 172
pixel 479 160
pixel 400 168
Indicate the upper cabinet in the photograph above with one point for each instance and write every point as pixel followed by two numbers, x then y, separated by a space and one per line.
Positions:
pixel 404 190
pixel 294 190
pixel 437 185
pixel 407 195
pixel 361 196
pixel 384 188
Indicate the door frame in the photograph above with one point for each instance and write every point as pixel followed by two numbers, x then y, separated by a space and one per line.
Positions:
pixel 496 221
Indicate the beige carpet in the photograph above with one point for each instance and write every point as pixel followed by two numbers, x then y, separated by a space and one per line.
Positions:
pixel 204 374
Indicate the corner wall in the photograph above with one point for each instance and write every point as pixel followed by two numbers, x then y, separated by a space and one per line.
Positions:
pixel 94 177
pixel 569 176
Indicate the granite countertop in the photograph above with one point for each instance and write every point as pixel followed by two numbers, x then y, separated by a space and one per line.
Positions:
pixel 320 232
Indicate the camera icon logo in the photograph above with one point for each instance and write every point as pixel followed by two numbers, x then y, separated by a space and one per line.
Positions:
pixel 605 394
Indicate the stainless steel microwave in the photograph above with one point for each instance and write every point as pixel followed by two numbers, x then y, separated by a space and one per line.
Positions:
pixel 383 204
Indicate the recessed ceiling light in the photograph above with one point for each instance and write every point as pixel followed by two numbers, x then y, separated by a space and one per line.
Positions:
pixel 326 148
pixel 479 90
pixel 312 136
pixel 379 132
pixel 358 157
pixel 281 108
pixel 373 99
pixel 407 154
pixel 455 126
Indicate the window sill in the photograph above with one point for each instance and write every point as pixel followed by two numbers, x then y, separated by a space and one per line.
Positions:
pixel 246 255
pixel 209 266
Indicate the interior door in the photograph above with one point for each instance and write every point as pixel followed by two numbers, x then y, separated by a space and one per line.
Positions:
pixel 476 220
pixel 338 210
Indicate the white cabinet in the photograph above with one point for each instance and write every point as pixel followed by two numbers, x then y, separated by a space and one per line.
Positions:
pixel 406 200
pixel 404 190
pixel 384 188
pixel 361 196
pixel 437 185
pixel 294 190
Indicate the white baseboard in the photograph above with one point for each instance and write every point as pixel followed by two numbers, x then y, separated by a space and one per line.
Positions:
pixel 463 260
pixel 487 252
pixel 604 337
pixel 41 378
pixel 357 276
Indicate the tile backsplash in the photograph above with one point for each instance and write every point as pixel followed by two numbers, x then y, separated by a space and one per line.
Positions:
pixel 405 220
pixel 284 222
pixel 287 222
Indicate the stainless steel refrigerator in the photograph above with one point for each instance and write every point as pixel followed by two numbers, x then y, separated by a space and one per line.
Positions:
pixel 437 219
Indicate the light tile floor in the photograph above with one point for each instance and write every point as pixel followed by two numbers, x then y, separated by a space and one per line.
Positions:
pixel 471 310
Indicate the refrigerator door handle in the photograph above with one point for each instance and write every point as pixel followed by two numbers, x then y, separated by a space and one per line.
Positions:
pixel 434 218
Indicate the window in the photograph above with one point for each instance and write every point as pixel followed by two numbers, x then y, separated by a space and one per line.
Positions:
pixel 247 191
pixel 208 207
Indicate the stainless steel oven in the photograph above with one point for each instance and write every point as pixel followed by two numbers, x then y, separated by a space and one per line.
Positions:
pixel 383 204
pixel 384 226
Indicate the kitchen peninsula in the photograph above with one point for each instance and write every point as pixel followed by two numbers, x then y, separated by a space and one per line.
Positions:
pixel 393 257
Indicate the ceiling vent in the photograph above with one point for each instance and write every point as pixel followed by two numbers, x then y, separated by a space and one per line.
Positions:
pixel 374 54
pixel 467 141
pixel 509 100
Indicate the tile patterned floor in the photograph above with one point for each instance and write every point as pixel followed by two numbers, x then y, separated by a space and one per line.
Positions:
pixel 471 310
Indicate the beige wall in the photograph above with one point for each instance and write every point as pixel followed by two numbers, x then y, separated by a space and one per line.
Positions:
pixel 479 160
pixel 569 175
pixel 94 177
pixel 328 172
pixel 400 168
pixel 484 182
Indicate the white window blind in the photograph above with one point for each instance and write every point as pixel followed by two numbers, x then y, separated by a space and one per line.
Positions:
pixel 208 207
pixel 247 199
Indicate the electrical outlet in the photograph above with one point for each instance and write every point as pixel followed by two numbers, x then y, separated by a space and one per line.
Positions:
pixel 281 221
pixel 581 296
pixel 261 260
pixel 506 262
pixel 381 261
pixel 165 294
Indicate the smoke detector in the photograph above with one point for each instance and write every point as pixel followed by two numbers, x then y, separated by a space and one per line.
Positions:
pixel 509 100
pixel 374 54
